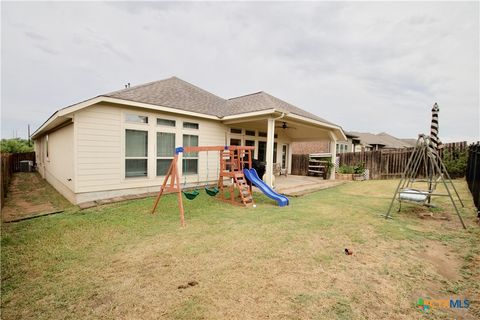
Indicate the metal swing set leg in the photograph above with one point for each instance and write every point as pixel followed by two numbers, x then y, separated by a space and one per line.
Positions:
pixel 433 166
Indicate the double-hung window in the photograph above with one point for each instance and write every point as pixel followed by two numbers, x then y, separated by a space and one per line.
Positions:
pixel 136 153
pixel 190 159
pixel 165 151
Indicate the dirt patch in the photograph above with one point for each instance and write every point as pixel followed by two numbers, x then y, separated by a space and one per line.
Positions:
pixel 443 261
pixel 28 196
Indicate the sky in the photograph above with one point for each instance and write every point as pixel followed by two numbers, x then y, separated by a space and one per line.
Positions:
pixel 368 67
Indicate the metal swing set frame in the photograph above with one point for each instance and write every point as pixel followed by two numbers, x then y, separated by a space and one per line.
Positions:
pixel 427 158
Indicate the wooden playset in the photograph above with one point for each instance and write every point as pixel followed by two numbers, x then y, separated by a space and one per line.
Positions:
pixel 233 159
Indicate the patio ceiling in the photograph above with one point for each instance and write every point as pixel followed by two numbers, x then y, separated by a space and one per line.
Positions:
pixel 296 130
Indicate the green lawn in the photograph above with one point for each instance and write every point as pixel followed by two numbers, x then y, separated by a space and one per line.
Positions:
pixel 120 262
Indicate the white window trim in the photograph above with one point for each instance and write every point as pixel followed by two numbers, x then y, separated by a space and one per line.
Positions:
pixel 174 132
pixel 134 122
pixel 165 126
pixel 184 157
pixel 125 157
pixel 193 129
pixel 47 153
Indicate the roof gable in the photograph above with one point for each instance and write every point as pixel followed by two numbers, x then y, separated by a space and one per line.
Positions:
pixel 174 93
pixel 262 101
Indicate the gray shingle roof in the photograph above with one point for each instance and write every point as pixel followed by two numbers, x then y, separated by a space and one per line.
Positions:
pixel 393 142
pixel 368 138
pixel 263 101
pixel 174 93
pixel 382 138
pixel 178 94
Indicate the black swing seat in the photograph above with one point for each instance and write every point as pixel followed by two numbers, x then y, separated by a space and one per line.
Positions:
pixel 190 195
pixel 211 191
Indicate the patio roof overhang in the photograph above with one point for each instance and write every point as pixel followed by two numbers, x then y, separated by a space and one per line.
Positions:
pixel 299 128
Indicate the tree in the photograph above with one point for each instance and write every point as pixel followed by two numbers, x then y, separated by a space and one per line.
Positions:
pixel 455 162
pixel 15 145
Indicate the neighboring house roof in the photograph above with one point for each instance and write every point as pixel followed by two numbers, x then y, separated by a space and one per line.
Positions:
pixel 350 135
pixel 383 139
pixel 411 142
pixel 174 93
pixel 369 138
pixel 392 142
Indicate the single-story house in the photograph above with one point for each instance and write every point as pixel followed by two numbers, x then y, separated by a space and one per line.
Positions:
pixel 122 143
pixel 371 141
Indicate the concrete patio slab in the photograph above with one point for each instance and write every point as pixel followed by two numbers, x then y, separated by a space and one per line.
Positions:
pixel 295 186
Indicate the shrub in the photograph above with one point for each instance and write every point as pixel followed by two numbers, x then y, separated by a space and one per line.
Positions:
pixel 15 145
pixel 455 162
pixel 345 169
pixel 356 169
pixel 359 168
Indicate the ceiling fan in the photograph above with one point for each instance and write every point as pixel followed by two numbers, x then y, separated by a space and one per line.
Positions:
pixel 285 126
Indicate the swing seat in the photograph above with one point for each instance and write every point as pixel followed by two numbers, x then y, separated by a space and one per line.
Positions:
pixel 212 192
pixel 413 195
pixel 190 195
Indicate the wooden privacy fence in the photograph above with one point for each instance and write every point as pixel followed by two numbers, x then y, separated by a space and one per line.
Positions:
pixel 382 164
pixel 7 172
pixel 473 173
pixel 17 157
pixel 10 163
pixel 300 164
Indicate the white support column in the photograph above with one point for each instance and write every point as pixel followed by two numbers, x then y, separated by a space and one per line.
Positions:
pixel 289 159
pixel 269 159
pixel 333 150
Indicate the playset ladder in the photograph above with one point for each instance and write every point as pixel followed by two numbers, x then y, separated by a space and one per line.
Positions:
pixel 243 188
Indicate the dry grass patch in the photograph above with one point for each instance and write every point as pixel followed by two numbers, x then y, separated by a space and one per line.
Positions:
pixel 119 262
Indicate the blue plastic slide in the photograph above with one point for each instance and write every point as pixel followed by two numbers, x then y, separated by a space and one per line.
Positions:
pixel 252 176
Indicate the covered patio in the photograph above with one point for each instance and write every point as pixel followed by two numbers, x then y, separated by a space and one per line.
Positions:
pixel 277 129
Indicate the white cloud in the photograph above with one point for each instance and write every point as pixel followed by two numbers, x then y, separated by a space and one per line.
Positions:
pixel 366 66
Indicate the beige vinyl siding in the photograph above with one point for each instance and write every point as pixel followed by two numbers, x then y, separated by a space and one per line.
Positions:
pixel 100 138
pixel 98 147
pixel 58 167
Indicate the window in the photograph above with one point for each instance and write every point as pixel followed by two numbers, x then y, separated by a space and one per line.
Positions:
pixel 190 159
pixel 136 118
pixel 190 125
pixel 284 156
pixel 235 130
pixel 250 143
pixel 250 132
pixel 262 151
pixel 262 134
pixel 235 142
pixel 275 135
pixel 274 152
pixel 136 152
pixel 165 122
pixel 46 145
pixel 165 151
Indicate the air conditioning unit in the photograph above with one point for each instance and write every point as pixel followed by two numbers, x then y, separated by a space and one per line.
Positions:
pixel 26 166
